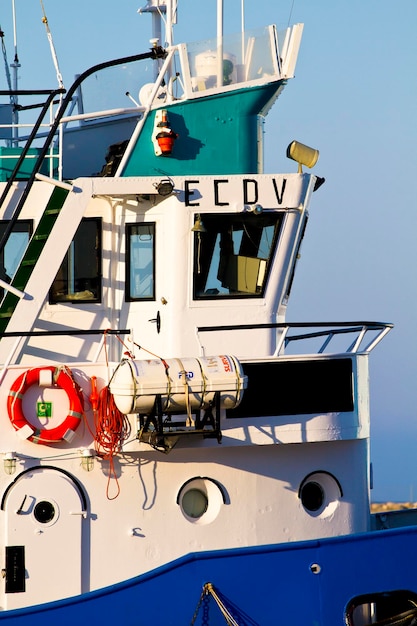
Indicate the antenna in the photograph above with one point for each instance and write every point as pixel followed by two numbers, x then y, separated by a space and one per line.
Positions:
pixel 6 64
pixel 52 47
pixel 242 20
pixel 12 98
pixel 219 43
pixel 16 59
pixel 15 65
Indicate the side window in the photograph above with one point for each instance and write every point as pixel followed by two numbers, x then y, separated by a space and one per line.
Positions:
pixel 297 256
pixel 79 277
pixel 140 266
pixel 233 253
pixel 14 249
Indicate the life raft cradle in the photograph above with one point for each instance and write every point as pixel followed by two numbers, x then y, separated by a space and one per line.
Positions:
pixel 161 433
pixel 61 377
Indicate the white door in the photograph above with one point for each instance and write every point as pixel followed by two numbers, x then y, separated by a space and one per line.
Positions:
pixel 145 282
pixel 44 514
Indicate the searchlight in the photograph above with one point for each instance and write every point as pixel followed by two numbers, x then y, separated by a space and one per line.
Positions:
pixel 303 155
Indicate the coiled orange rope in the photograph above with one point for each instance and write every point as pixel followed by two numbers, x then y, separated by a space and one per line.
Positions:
pixel 112 428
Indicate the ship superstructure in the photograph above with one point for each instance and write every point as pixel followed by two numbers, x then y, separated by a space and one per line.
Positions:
pixel 165 430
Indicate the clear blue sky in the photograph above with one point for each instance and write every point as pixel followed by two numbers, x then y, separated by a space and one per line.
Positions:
pixel 354 98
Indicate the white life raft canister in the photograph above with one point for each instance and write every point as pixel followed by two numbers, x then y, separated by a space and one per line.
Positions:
pixel 180 383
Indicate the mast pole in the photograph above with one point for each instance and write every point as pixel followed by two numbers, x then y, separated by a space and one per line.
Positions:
pixel 157 11
pixel 219 43
pixel 242 18
pixel 15 65
pixel 168 34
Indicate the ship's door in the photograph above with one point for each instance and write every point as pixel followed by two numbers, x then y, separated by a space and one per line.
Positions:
pixel 45 510
pixel 146 281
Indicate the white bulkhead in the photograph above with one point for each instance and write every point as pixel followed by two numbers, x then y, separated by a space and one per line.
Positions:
pixel 183 269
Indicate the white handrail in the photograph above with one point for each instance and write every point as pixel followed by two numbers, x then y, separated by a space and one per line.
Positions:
pixel 7 287
pixel 53 181
pixel 104 113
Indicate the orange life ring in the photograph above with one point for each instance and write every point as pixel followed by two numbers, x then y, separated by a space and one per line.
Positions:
pixel 61 377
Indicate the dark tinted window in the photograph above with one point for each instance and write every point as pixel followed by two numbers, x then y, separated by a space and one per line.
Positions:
pixel 79 277
pixel 233 253
pixel 296 387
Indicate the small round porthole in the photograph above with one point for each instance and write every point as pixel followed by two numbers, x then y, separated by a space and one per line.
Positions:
pixel 312 496
pixel 320 494
pixel 200 499
pixel 194 503
pixel 44 512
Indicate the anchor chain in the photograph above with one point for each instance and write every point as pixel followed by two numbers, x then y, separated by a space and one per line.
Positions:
pixel 206 607
pixel 209 590
pixel 203 598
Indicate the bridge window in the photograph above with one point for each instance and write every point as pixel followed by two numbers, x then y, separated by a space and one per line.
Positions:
pixel 79 277
pixel 140 265
pixel 233 253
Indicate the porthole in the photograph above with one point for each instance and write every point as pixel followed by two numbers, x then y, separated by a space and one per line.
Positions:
pixel 312 496
pixel 320 493
pixel 44 512
pixel 194 503
pixel 201 499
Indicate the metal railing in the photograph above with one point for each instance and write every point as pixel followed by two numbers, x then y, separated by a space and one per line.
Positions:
pixel 69 332
pixel 328 331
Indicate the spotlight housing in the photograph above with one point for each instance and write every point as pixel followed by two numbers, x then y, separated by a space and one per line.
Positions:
pixel 165 187
pixel 303 155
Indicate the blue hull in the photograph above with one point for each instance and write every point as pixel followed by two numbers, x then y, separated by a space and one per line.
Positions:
pixel 269 585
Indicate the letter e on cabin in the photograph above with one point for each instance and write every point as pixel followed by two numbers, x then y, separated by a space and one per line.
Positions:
pixel 188 192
